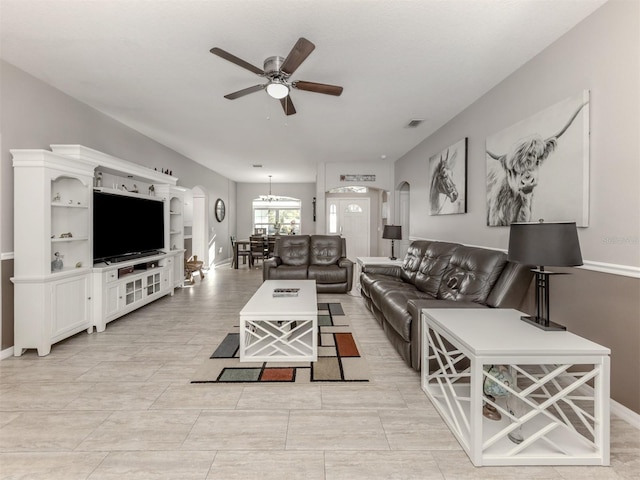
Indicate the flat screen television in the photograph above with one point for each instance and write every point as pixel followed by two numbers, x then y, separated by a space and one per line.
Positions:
pixel 126 227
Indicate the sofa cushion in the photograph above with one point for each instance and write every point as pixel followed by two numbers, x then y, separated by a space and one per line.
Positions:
pixel 379 291
pixel 288 272
pixel 471 274
pixel 293 250
pixel 368 279
pixel 325 249
pixel 412 260
pixel 433 265
pixel 327 274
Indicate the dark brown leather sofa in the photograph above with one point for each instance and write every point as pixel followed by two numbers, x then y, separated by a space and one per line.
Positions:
pixel 311 257
pixel 439 275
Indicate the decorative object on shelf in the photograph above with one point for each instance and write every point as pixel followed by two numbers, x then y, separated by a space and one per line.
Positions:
pixel 97 181
pixel 489 411
pixel 66 235
pixel 553 244
pixel 448 180
pixel 152 190
pixel 516 409
pixel 555 142
pixel 495 388
pixel 79 265
pixel 57 264
pixel 57 198
pixel 392 232
pixel 134 189
pixel 220 210
pixel 270 197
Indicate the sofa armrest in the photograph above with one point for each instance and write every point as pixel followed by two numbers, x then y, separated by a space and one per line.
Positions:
pixel 390 270
pixel 267 265
pixel 512 286
pixel 344 262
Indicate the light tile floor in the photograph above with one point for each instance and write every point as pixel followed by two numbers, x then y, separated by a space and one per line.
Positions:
pixel 119 405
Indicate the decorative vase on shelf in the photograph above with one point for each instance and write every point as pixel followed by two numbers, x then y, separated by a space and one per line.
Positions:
pixel 57 264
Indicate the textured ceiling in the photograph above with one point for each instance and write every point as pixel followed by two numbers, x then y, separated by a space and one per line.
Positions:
pixel 147 64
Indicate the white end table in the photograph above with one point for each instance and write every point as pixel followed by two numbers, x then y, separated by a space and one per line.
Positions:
pixel 361 262
pixel 280 328
pixel 561 419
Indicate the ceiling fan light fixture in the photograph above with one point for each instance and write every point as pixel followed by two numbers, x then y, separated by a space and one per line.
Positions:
pixel 277 89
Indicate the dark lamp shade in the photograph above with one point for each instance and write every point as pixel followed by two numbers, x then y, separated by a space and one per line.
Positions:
pixel 545 244
pixel 392 232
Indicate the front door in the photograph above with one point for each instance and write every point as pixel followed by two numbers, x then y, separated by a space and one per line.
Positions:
pixel 349 217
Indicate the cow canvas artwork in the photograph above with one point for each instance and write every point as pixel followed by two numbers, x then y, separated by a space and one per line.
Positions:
pixel 448 180
pixel 539 167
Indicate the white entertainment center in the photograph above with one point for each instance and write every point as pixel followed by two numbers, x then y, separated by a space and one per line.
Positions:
pixel 59 291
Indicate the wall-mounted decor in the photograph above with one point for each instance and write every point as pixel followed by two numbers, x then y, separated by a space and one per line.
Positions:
pixel 220 210
pixel 546 154
pixel 448 180
pixel 357 178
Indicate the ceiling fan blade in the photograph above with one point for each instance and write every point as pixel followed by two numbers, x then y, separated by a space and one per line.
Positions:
pixel 243 92
pixel 238 61
pixel 318 87
pixel 300 51
pixel 287 105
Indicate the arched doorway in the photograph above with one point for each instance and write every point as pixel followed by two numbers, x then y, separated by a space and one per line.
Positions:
pixel 349 213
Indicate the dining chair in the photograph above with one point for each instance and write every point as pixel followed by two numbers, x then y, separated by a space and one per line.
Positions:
pixel 271 244
pixel 239 253
pixel 257 246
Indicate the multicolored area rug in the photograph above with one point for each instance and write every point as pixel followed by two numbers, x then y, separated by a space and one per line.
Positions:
pixel 339 358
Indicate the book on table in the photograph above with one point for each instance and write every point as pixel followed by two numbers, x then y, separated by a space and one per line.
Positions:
pixel 285 292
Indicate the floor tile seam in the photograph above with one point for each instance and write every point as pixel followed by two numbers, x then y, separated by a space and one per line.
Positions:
pixel 191 429
pixel 96 428
pixel 151 406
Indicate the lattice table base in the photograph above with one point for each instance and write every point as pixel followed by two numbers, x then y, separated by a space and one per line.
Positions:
pixel 273 340
pixel 552 408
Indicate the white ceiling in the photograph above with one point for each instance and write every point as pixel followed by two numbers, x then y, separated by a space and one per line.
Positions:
pixel 147 64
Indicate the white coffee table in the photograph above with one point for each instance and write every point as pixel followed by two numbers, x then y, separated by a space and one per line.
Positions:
pixel 280 328
pixel 563 419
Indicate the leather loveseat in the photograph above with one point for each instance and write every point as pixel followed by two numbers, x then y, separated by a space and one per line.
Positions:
pixel 311 257
pixel 439 275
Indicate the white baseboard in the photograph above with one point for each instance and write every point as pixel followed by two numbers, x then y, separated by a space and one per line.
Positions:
pixel 626 414
pixel 6 353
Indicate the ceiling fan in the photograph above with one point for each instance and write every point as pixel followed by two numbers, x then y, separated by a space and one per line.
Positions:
pixel 277 71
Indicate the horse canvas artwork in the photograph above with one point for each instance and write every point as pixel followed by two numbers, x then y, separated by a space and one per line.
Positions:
pixel 448 180
pixel 546 155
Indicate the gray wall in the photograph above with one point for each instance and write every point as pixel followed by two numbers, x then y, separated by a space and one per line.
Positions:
pixel 36 115
pixel 601 54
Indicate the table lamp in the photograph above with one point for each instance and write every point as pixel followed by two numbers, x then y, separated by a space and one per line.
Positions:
pixel 392 232
pixel 544 244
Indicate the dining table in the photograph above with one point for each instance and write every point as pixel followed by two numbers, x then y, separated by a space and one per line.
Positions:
pixel 245 245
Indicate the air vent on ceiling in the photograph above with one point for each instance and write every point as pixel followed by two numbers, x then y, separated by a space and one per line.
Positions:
pixel 414 123
pixel 257 165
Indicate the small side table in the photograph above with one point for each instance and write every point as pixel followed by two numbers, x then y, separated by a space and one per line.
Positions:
pixel 361 262
pixel 555 415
